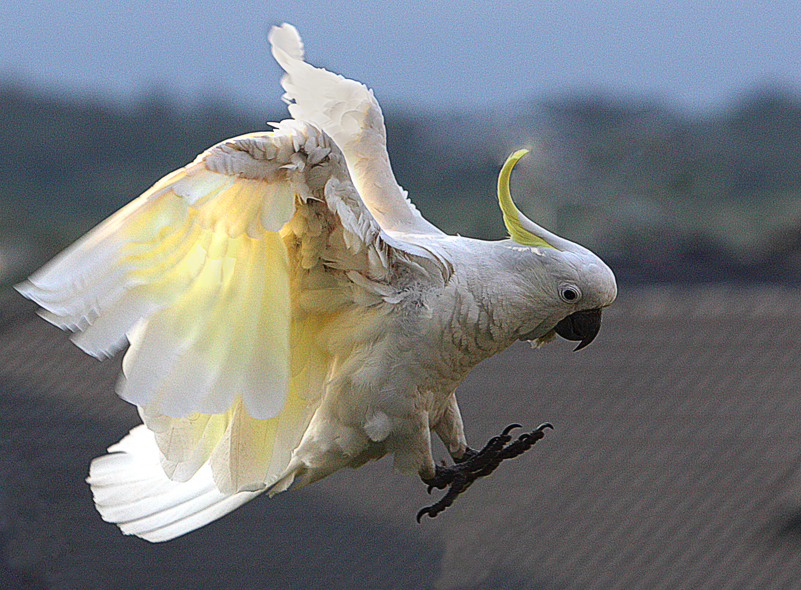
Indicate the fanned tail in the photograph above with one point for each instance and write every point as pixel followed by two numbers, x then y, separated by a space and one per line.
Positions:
pixel 131 490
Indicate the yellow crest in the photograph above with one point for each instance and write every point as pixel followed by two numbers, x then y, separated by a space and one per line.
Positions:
pixel 511 215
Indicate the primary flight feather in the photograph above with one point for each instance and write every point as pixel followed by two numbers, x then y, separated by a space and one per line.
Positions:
pixel 288 312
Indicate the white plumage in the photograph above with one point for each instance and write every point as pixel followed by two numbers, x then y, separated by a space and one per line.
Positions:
pixel 289 312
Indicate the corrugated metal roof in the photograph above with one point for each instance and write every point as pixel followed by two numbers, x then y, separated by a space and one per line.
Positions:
pixel 674 464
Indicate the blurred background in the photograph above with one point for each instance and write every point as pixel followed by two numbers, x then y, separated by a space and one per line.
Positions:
pixel 664 137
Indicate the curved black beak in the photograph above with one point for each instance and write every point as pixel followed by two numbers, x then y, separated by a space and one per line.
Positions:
pixel 582 325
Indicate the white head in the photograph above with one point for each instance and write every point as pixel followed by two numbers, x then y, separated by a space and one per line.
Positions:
pixel 575 283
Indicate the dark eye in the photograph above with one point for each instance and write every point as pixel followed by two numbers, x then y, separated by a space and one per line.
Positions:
pixel 569 294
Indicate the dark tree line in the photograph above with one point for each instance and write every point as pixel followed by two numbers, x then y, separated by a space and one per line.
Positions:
pixel 645 185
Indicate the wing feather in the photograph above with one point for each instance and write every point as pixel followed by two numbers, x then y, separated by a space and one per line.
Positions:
pixel 348 112
pixel 224 278
pixel 194 272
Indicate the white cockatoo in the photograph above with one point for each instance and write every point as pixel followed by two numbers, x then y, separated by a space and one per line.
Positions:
pixel 289 312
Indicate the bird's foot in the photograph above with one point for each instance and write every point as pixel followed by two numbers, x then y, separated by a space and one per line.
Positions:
pixel 474 464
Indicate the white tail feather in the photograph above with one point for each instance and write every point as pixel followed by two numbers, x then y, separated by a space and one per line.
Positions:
pixel 131 490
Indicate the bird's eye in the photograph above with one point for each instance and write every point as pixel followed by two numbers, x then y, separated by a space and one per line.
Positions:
pixel 569 293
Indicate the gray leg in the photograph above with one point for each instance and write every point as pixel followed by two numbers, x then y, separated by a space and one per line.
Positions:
pixel 459 477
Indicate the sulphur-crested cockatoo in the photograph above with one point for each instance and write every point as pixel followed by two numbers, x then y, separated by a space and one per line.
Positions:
pixel 289 312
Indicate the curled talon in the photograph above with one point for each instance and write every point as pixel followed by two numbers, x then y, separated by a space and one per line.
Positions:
pixel 511 427
pixel 523 443
pixel 460 483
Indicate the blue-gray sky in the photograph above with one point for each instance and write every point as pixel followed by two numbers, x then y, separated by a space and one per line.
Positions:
pixel 695 54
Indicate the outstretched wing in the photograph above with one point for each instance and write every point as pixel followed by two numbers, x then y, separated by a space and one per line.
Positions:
pixel 348 112
pixel 195 275
pixel 216 276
